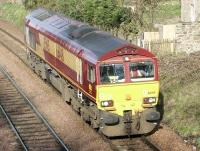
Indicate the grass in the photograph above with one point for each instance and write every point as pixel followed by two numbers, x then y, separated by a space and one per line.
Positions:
pixel 165 12
pixel 168 10
pixel 198 142
pixel 182 103
pixel 180 84
pixel 13 13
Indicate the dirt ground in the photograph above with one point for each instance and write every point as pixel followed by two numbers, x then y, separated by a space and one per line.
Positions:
pixel 64 120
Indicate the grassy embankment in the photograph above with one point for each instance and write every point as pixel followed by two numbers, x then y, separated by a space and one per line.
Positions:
pixel 181 98
pixel 180 84
pixel 168 10
pixel 14 13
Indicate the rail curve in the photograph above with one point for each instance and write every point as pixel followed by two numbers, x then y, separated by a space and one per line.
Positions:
pixel 30 127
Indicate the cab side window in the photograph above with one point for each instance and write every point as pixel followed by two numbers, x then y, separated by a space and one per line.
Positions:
pixel 91 74
pixel 32 40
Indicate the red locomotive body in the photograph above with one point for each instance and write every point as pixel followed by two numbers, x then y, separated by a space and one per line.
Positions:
pixel 74 57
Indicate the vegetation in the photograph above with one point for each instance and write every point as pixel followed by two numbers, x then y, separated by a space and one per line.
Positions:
pixel 183 106
pixel 167 10
pixel 107 14
pixel 182 110
pixel 179 76
pixel 13 12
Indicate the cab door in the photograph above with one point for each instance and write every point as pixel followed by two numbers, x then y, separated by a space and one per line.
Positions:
pixel 91 79
pixel 79 71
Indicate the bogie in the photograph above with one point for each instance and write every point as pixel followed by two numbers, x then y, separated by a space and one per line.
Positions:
pixel 79 102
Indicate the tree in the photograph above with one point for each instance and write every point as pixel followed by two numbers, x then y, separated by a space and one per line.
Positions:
pixel 129 28
pixel 145 7
pixel 106 14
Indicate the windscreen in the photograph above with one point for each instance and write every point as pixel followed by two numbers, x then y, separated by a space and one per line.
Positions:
pixel 143 70
pixel 112 73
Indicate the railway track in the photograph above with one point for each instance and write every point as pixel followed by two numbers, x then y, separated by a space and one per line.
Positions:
pixel 133 144
pixel 125 144
pixel 30 127
pixel 14 45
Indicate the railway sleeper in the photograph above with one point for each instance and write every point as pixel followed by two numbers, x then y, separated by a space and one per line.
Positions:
pixel 8 90
pixel 44 145
pixel 21 130
pixel 43 137
pixel 7 94
pixel 20 114
pixel 35 134
pixel 21 123
pixel 7 85
pixel 31 126
pixel 4 80
pixel 15 106
pixel 13 112
pixel 34 118
pixel 21 110
pixel 32 133
pixel 23 118
pixel 39 142
pixel 12 105
pixel 46 148
pixel 17 98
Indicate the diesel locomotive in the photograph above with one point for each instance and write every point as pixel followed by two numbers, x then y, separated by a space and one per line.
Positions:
pixel 112 84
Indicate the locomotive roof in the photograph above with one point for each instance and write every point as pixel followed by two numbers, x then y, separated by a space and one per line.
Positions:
pixel 91 42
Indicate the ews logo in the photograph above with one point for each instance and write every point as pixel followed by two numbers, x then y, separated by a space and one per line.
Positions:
pixel 59 53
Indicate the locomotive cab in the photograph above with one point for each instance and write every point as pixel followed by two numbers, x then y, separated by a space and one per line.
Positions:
pixel 127 93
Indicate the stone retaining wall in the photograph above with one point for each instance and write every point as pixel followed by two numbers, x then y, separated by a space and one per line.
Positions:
pixel 188 37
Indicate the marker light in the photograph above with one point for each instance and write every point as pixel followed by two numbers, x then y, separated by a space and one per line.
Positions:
pixel 108 103
pixel 126 58
pixel 149 100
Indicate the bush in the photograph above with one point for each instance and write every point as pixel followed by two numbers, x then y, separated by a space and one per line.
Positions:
pixel 14 13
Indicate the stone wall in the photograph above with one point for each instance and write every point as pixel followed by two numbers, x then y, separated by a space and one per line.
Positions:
pixel 188 37
pixel 190 10
pixel 188 31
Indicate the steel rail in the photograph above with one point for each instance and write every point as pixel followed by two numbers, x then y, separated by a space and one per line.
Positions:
pixel 34 108
pixel 13 128
pixel 10 49
pixel 15 38
pixel 132 143
pixel 150 144
pixel 4 45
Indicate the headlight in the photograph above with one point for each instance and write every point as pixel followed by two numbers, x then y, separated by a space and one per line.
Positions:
pixel 149 100
pixel 108 103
